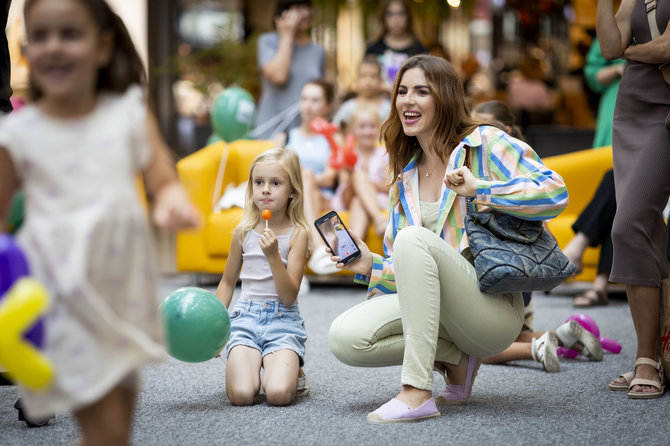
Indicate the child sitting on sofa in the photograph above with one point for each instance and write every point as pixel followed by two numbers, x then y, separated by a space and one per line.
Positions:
pixel 318 177
pixel 363 189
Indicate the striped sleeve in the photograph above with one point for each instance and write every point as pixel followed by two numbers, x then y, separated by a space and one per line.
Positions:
pixel 519 183
pixel 382 277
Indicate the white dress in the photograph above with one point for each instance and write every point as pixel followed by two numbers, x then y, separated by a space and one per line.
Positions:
pixel 86 237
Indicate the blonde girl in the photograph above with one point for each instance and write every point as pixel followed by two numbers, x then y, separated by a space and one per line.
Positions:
pixel 270 263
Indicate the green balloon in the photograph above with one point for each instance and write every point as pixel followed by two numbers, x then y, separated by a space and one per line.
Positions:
pixel 197 324
pixel 15 219
pixel 233 114
pixel 213 138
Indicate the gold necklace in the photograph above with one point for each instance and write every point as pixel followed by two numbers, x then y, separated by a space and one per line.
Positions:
pixel 429 172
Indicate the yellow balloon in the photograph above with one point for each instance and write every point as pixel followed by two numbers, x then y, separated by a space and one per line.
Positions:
pixel 23 304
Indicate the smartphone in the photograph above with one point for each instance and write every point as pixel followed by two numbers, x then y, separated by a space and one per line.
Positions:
pixel 337 237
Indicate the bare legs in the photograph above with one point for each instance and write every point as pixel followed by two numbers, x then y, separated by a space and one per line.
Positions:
pixel 522 349
pixel 575 249
pixel 644 305
pixel 108 421
pixel 243 375
pixel 363 205
pixel 280 377
pixel 597 294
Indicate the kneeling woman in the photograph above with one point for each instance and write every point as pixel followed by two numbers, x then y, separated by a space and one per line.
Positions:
pixel 425 309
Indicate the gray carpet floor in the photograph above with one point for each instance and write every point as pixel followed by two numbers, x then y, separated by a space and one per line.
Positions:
pixel 517 403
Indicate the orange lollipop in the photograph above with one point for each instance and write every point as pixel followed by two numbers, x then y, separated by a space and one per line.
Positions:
pixel 266 215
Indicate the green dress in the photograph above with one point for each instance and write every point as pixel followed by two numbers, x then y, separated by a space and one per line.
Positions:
pixel 594 62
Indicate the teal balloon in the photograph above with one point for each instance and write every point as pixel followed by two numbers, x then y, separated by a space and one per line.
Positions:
pixel 15 218
pixel 233 114
pixel 213 138
pixel 197 324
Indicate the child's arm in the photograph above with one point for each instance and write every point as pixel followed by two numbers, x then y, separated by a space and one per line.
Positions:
pixel 8 183
pixel 232 272
pixel 287 279
pixel 382 186
pixel 173 208
pixel 327 177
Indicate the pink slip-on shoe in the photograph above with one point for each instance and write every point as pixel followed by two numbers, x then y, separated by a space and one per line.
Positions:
pixel 455 394
pixel 395 411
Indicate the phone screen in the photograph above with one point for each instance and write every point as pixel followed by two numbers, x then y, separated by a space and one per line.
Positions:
pixel 337 237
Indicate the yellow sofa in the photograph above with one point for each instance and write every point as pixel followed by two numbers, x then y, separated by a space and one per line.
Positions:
pixel 582 172
pixel 205 250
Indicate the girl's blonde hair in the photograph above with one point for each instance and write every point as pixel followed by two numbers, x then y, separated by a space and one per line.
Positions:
pixel 289 161
pixel 360 111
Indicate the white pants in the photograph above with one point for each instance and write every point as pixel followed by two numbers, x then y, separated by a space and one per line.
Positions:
pixel 438 313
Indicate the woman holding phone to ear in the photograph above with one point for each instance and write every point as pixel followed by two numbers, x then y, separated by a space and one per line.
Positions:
pixel 426 310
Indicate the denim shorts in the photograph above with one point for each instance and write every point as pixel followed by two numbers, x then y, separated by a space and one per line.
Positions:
pixel 268 327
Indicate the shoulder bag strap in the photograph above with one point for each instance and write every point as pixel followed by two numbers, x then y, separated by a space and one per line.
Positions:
pixel 655 33
pixel 651 18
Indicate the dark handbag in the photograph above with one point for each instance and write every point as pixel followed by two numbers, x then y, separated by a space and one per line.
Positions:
pixel 513 255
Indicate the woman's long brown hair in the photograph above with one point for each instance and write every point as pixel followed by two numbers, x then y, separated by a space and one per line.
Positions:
pixel 452 120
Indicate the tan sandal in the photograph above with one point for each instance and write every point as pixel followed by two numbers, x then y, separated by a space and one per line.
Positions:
pixel 590 298
pixel 303 384
pixel 658 385
pixel 620 386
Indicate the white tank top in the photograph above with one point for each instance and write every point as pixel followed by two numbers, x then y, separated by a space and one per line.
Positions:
pixel 256 275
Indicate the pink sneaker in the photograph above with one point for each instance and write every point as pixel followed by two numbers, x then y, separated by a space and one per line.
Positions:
pixel 455 394
pixel 395 411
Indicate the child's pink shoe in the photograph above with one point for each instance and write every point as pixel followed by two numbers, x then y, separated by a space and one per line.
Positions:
pixel 395 411
pixel 455 394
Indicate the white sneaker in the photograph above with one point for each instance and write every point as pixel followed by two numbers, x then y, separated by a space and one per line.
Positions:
pixel 543 350
pixel 320 262
pixel 572 333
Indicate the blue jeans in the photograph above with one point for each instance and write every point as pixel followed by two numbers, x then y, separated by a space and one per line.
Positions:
pixel 268 327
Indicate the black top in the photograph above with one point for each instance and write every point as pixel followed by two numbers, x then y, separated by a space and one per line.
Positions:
pixel 392 59
pixel 379 47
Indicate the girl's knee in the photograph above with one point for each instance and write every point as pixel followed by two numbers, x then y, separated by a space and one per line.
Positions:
pixel 241 396
pixel 280 395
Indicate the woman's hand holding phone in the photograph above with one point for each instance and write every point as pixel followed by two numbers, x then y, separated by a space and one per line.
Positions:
pixel 362 265
pixel 351 253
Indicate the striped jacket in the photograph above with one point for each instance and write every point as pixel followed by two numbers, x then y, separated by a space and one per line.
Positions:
pixel 511 178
